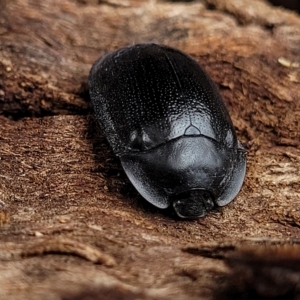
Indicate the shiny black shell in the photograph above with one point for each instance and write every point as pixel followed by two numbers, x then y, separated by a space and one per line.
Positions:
pixel 165 119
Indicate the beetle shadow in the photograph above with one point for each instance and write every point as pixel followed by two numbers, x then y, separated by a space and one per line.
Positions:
pixel 116 181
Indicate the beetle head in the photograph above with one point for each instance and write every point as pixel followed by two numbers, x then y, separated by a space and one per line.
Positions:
pixel 194 203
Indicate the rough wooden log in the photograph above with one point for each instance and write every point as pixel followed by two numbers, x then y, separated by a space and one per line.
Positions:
pixel 72 226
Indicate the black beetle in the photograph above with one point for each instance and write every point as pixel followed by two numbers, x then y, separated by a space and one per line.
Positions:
pixel 166 121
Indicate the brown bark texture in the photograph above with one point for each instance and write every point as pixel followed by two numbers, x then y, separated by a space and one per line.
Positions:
pixel 71 224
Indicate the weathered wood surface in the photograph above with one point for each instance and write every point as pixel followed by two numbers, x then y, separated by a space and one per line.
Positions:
pixel 63 192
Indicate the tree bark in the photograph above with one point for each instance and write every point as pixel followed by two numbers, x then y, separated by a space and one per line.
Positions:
pixel 71 224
